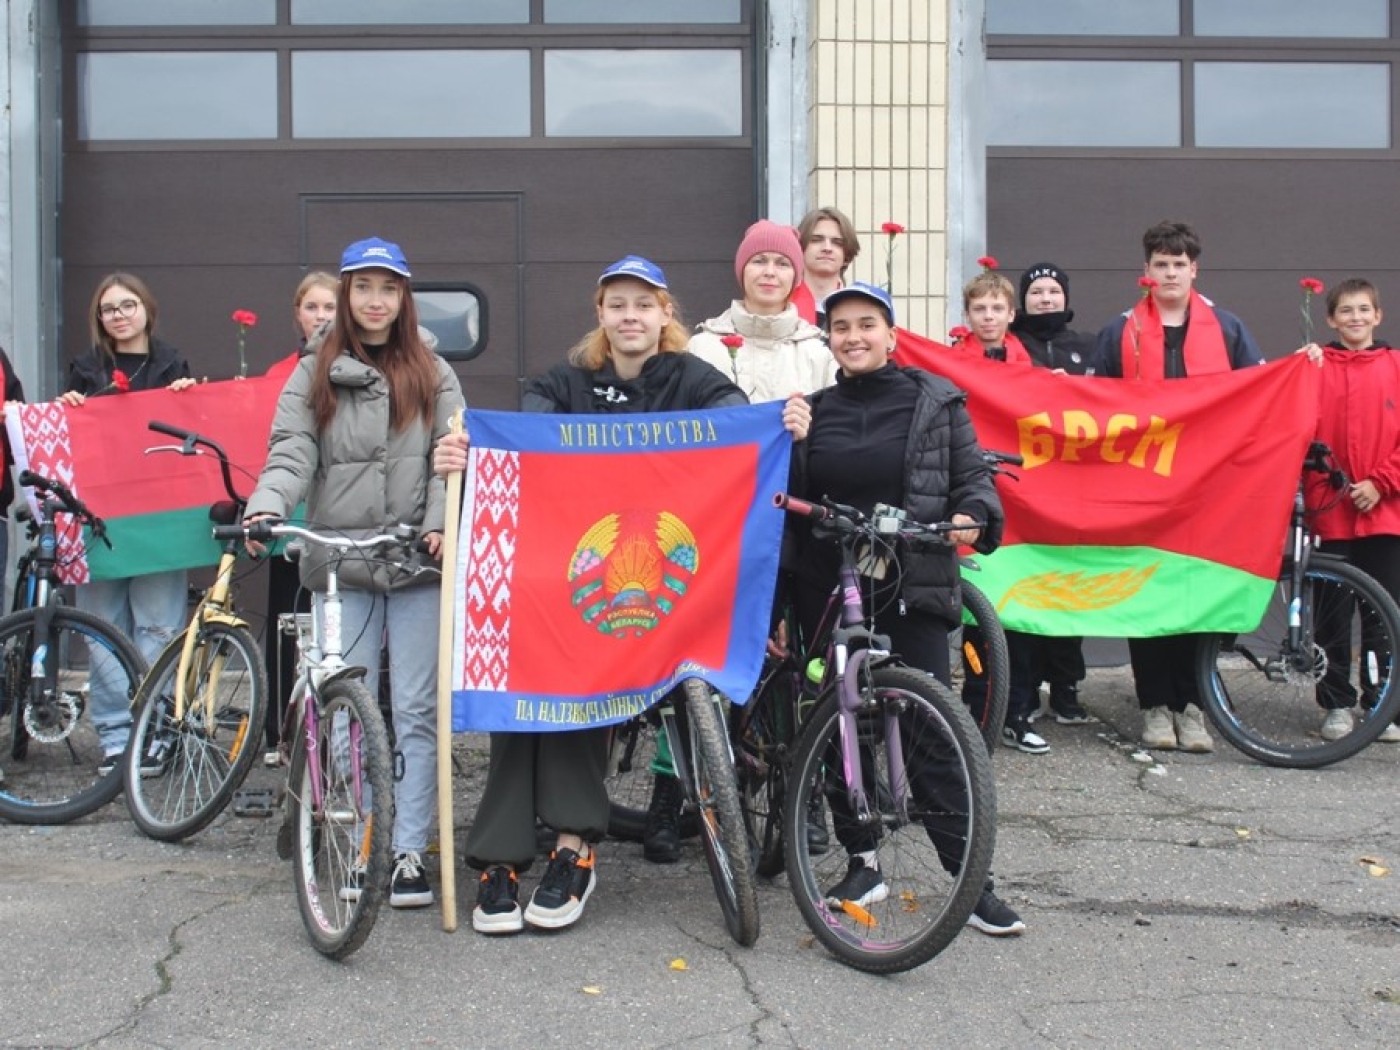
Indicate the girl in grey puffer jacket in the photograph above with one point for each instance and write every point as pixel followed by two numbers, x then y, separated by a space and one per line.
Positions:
pixel 353 437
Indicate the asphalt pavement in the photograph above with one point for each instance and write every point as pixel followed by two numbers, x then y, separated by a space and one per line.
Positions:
pixel 1172 900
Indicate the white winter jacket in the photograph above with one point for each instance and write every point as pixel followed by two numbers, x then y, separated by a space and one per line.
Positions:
pixel 782 354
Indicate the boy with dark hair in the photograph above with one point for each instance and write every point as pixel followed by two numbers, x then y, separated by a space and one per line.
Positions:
pixel 1172 332
pixel 1358 419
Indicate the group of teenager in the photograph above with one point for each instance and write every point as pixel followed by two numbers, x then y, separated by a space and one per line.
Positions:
pixel 361 437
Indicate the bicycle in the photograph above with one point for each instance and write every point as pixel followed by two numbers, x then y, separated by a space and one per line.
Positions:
pixel 763 731
pixel 53 657
pixel 899 762
pixel 1329 631
pixel 199 711
pixel 338 803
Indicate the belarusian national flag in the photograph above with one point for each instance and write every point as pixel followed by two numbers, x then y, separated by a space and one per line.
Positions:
pixel 602 559
pixel 1144 507
pixel 156 505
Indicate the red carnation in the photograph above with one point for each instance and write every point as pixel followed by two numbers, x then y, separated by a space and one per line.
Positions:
pixel 987 262
pixel 120 383
pixel 1312 285
pixel 733 341
pixel 959 333
pixel 245 317
pixel 1147 284
pixel 894 229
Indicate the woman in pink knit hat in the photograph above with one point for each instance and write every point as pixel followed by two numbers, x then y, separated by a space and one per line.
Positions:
pixel 761 342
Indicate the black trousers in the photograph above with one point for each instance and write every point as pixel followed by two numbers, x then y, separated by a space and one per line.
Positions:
pixel 1164 671
pixel 1379 557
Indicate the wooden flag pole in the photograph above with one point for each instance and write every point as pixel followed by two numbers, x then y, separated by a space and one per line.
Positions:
pixel 447 850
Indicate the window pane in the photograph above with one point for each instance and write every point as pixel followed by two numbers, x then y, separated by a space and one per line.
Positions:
pixel 1084 18
pixel 425 94
pixel 1293 105
pixel 177 95
pixel 1348 18
pixel 177 12
pixel 409 12
pixel 583 12
pixel 634 94
pixel 1046 103
pixel 455 317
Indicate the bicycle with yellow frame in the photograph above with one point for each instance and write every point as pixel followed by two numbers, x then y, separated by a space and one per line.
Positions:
pixel 198 712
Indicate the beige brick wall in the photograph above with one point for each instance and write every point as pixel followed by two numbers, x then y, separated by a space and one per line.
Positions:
pixel 878 126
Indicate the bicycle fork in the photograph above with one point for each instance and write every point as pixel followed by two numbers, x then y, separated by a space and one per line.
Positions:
pixel 850 668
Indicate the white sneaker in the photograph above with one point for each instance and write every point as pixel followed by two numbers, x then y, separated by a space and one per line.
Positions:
pixel 1337 724
pixel 1158 733
pixel 1391 735
pixel 1191 732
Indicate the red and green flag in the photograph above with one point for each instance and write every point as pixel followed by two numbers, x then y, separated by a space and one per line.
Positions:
pixel 602 559
pixel 1144 507
pixel 156 505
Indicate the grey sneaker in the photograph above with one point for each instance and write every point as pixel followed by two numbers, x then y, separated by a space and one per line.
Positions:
pixel 1337 724
pixel 1191 732
pixel 1158 732
pixel 1390 735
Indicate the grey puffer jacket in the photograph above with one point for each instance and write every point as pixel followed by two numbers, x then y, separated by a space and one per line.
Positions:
pixel 359 475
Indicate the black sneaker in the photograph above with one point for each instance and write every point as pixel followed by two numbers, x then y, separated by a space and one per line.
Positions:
pixel 994 917
pixel 818 838
pixel 661 841
pixel 497 902
pixel 559 898
pixel 862 885
pixel 1017 733
pixel 408 886
pixel 1064 701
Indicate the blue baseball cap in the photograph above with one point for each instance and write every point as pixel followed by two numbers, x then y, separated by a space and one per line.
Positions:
pixel 864 291
pixel 372 254
pixel 637 267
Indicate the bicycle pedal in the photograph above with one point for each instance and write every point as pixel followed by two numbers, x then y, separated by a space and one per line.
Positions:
pixel 254 802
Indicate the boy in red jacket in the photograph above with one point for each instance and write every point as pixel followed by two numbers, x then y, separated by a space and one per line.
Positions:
pixel 1359 419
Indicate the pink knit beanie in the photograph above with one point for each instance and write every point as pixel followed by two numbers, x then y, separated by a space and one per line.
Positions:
pixel 765 236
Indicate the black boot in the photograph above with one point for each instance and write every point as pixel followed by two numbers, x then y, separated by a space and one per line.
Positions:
pixel 661 841
pixel 818 839
pixel 1064 701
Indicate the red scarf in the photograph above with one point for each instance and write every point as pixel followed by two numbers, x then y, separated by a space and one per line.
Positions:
pixel 1144 344
pixel 1016 352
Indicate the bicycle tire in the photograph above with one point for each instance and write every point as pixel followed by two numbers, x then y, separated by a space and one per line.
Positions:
pixel 348 842
pixel 50 750
pixel 722 827
pixel 629 781
pixel 1267 705
pixel 986 664
pixel 926 905
pixel 179 775
pixel 762 733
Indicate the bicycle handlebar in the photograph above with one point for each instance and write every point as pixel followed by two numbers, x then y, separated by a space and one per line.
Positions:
pixel 1320 460
pixel 264 530
pixel 69 502
pixel 884 521
pixel 189 440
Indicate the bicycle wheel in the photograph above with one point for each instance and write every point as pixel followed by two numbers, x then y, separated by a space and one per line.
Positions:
pixel 1267 698
pixel 181 773
pixel 933 860
pixel 981 645
pixel 762 733
pixel 341 849
pixel 722 827
pixel 50 749
pixel 629 781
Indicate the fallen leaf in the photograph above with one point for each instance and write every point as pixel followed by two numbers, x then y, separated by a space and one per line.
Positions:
pixel 592 989
pixel 1378 870
pixel 1242 832
pixel 679 964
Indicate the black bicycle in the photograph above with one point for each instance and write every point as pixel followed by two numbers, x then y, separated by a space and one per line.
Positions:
pixel 1328 639
pixel 68 681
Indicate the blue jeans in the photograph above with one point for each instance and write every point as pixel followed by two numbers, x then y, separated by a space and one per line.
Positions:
pixel 150 610
pixel 411 618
